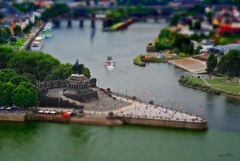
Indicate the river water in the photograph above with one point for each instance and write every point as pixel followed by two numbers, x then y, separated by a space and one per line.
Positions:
pixel 158 82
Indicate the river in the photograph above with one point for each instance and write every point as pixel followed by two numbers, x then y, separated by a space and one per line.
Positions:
pixel 158 82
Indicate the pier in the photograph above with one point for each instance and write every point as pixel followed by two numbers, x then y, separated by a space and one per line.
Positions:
pixel 140 113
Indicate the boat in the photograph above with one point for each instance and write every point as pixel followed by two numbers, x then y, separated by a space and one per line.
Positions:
pixel 43 35
pixel 47 30
pixel 109 62
pixel 48 34
pixel 37 43
pixel 48 27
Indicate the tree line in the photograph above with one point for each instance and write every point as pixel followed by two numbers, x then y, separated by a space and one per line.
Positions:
pixel 37 66
pixel 16 89
pixel 229 64
pixel 168 40
pixel 20 70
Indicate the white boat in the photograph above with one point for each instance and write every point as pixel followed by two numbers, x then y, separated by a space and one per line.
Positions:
pixel 37 43
pixel 48 27
pixel 109 62
pixel 43 35
pixel 48 34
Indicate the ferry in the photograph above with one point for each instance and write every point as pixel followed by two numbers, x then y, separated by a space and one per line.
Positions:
pixel 109 62
pixel 37 43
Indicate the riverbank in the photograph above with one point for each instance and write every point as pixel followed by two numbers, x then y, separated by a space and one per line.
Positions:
pixel 216 85
pixel 31 37
pixel 187 63
pixel 137 61
pixel 134 112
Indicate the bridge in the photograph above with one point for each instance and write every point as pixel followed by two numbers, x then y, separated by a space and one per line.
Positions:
pixel 106 22
pixel 80 14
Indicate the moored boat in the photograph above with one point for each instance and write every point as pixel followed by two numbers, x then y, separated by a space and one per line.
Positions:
pixel 48 34
pixel 48 27
pixel 37 43
pixel 109 62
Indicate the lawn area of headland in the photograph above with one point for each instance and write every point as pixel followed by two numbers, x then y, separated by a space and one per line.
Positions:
pixel 137 61
pixel 216 85
pixel 226 85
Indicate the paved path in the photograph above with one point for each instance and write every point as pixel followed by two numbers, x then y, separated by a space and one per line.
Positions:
pixel 190 64
pixel 204 80
pixel 137 109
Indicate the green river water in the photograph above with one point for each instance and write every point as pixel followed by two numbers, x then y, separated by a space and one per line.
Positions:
pixel 73 142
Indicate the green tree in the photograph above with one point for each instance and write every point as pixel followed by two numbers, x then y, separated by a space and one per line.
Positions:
pixel 25 95
pixel 5 55
pixel 35 63
pixel 17 30
pixel 63 71
pixel 86 72
pixel 197 25
pixel 28 28
pixel 230 63
pixel 6 91
pixel 175 20
pixel 184 44
pixel 18 79
pixel 57 9
pixel 4 35
pixel 211 63
pixel 13 40
pixel 7 74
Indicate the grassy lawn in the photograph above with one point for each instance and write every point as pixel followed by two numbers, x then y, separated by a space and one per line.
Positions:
pixel 228 40
pixel 197 81
pixel 18 44
pixel 137 61
pixel 231 86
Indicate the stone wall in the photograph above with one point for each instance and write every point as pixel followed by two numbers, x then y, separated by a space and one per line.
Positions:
pixel 95 121
pixel 84 96
pixel 46 118
pixel 52 84
pixel 165 123
pixel 56 102
pixel 10 116
pixel 64 84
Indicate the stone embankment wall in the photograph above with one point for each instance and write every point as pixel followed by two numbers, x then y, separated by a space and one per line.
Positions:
pixel 15 117
pixel 165 123
pixel 96 121
pixel 85 96
pixel 46 118
pixel 56 102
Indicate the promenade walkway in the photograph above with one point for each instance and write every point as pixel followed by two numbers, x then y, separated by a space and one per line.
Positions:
pixel 137 109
